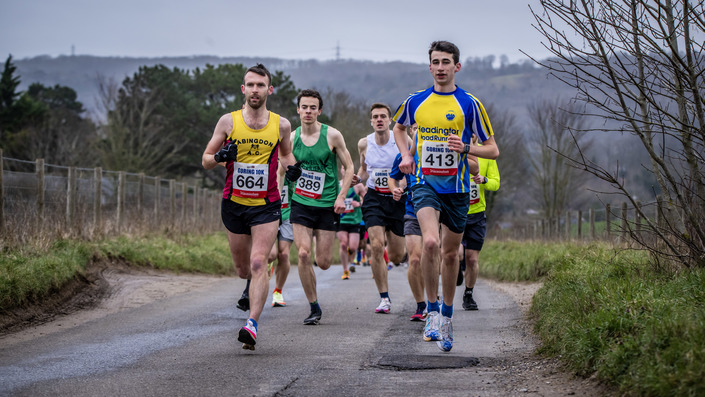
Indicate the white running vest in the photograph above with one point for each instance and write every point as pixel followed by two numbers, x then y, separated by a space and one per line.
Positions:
pixel 379 161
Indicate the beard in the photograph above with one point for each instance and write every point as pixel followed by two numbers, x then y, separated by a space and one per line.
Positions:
pixel 258 104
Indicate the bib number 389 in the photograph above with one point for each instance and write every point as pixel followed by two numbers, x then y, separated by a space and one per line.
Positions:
pixel 310 184
pixel 438 159
pixel 250 180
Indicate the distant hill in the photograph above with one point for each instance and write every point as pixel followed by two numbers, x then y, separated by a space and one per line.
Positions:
pixel 510 87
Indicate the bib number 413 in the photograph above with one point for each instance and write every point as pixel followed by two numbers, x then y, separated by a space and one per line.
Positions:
pixel 438 159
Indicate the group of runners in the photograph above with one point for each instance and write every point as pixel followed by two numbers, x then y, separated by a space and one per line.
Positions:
pixel 413 189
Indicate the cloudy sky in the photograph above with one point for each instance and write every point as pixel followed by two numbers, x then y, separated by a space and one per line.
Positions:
pixel 377 30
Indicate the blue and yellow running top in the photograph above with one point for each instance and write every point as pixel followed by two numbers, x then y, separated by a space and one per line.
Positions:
pixel 439 114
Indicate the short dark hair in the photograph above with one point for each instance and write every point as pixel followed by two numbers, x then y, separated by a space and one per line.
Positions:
pixel 312 94
pixel 260 70
pixel 445 46
pixel 379 105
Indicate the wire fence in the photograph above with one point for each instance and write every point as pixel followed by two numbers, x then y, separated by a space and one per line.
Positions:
pixel 620 224
pixel 39 199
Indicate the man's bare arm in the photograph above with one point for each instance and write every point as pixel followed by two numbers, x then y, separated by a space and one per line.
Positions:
pixel 220 134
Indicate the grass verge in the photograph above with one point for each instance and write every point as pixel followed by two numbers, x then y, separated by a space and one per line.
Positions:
pixel 31 273
pixel 612 313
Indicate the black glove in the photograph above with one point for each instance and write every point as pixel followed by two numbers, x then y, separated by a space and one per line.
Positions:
pixel 227 153
pixel 293 172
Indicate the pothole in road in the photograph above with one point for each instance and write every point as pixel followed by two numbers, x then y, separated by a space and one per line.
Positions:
pixel 406 362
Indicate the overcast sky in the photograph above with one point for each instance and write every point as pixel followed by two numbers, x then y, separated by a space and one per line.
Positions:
pixel 377 30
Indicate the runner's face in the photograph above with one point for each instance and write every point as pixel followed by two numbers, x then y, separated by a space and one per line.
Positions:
pixel 256 89
pixel 380 120
pixel 443 68
pixel 308 110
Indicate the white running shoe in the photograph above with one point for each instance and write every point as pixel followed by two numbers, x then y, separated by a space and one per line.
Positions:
pixel 384 306
pixel 248 335
pixel 446 342
pixel 431 331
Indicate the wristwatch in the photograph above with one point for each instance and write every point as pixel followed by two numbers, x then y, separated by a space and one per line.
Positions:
pixel 485 181
pixel 467 148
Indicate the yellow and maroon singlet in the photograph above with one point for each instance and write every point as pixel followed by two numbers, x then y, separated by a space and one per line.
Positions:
pixel 252 178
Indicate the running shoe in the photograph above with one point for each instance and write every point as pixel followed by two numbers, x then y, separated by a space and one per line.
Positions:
pixel 346 275
pixel 418 316
pixel 431 331
pixel 278 299
pixel 352 268
pixel 248 335
pixel 270 269
pixel 384 306
pixel 313 318
pixel 446 342
pixel 468 302
pixel 244 302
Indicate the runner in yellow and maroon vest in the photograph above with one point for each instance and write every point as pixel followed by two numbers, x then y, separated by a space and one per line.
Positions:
pixel 249 143
pixel 252 177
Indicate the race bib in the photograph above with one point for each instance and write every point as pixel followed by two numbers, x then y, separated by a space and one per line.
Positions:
pixel 438 159
pixel 474 193
pixel 310 184
pixel 380 177
pixel 285 197
pixel 348 205
pixel 250 180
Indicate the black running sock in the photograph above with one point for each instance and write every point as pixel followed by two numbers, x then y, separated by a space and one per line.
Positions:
pixel 247 287
pixel 468 290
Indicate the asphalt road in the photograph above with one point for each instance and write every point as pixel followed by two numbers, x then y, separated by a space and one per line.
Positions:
pixel 186 345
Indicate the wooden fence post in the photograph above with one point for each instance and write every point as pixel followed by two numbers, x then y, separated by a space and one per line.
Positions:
pixel 659 212
pixel 140 193
pixel 39 168
pixel 195 206
pixel 184 201
pixel 580 224
pixel 623 234
pixel 98 199
pixel 608 221
pixel 71 200
pixel 157 198
pixel 120 200
pixel 637 220
pixel 592 223
pixel 567 225
pixel 172 203
pixel 536 230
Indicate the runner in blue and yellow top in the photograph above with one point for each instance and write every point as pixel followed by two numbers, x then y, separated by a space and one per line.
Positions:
pixel 318 200
pixel 249 142
pixel 446 116
pixel 487 178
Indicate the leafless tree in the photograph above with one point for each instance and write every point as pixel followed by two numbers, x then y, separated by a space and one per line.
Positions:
pixel 133 137
pixel 554 138
pixel 512 165
pixel 640 64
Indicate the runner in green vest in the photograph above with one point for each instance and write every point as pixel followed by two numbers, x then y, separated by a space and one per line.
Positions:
pixel 317 201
